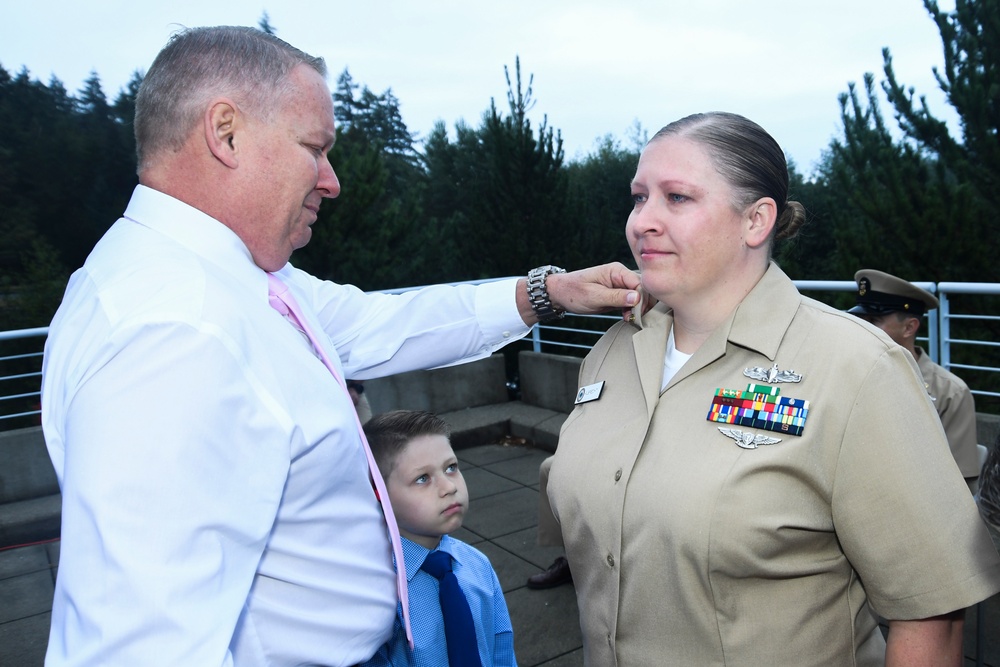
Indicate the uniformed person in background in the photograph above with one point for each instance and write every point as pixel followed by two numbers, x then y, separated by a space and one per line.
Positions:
pixel 896 307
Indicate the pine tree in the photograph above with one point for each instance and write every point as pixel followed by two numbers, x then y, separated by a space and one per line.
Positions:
pixel 515 190
pixel 921 205
pixel 970 37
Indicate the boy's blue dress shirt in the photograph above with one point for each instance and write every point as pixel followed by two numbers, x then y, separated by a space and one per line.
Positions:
pixel 494 634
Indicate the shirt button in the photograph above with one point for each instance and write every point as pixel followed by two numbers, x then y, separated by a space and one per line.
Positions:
pixel 611 560
pixel 618 474
pixel 506 334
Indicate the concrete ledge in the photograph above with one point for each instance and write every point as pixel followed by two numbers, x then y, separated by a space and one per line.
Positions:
pixel 473 398
pixel 475 426
pixel 472 427
pixel 546 434
pixel 30 503
pixel 549 380
pixel 25 468
pixel 538 425
pixel 478 383
pixel 33 520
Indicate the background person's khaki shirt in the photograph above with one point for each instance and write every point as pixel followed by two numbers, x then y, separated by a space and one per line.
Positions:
pixel 955 406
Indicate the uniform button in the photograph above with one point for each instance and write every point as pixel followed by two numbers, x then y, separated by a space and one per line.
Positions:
pixel 618 474
pixel 506 334
pixel 611 560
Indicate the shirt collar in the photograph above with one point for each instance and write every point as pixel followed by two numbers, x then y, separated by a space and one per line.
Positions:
pixel 197 231
pixel 760 321
pixel 415 554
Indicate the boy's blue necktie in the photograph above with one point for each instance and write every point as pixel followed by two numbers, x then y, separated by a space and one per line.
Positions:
pixel 459 629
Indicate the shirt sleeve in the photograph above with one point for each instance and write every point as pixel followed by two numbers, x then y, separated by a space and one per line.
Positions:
pixel 378 334
pixel 171 486
pixel 913 535
pixel 503 641
pixel 958 418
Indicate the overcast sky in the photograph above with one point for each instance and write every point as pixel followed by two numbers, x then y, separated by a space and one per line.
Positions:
pixel 598 66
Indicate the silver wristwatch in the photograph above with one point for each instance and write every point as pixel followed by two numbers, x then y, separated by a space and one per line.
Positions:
pixel 539 296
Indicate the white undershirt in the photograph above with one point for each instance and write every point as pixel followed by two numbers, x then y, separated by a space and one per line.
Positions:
pixel 672 361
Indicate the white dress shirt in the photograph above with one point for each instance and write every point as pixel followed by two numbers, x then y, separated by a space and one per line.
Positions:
pixel 217 507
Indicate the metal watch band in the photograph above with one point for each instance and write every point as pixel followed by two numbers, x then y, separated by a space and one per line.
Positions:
pixel 539 296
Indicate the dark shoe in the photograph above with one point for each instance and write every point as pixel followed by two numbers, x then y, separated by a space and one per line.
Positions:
pixel 557 575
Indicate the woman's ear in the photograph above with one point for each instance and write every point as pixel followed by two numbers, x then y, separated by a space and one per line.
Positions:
pixel 760 219
pixel 220 131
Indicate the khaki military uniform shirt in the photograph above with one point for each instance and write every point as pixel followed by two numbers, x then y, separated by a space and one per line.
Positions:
pixel 687 549
pixel 957 410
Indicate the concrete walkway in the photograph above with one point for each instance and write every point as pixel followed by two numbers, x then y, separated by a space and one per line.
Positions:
pixel 502 522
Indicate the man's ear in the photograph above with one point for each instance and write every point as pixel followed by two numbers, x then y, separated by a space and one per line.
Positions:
pixel 911 325
pixel 760 219
pixel 220 122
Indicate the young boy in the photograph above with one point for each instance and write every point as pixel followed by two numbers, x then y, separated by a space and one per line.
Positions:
pixel 429 498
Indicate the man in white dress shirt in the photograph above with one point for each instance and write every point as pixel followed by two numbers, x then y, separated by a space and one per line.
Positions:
pixel 217 506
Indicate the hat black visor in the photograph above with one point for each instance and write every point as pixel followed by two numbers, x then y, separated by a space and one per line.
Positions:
pixel 872 309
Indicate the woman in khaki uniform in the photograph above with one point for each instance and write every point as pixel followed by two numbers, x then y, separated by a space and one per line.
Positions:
pixel 749 473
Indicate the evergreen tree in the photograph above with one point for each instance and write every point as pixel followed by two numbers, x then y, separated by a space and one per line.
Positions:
pixel 920 206
pixel 264 23
pixel 811 254
pixel 371 235
pixel 344 99
pixel 970 37
pixel 514 191
pixel 599 203
pixel 67 168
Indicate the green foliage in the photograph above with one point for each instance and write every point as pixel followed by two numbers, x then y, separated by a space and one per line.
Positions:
pixel 501 189
pixel 67 168
pixel 264 23
pixel 811 253
pixel 599 204
pixel 970 37
pixel 371 235
pixel 919 205
pixel 32 300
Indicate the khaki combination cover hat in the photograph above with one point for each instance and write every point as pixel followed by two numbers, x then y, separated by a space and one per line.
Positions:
pixel 880 293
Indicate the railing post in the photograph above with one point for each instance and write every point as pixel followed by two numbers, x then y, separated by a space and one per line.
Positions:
pixel 536 338
pixel 944 343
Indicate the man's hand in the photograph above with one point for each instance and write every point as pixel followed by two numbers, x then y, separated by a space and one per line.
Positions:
pixel 595 290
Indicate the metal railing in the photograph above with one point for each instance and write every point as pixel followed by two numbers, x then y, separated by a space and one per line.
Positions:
pixel 946 292
pixel 20 369
pixel 21 375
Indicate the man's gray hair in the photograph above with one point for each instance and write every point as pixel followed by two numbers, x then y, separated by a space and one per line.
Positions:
pixel 197 64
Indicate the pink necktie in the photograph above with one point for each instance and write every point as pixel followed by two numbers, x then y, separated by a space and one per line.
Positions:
pixel 283 302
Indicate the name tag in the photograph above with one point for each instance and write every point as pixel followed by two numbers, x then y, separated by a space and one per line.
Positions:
pixel 591 392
